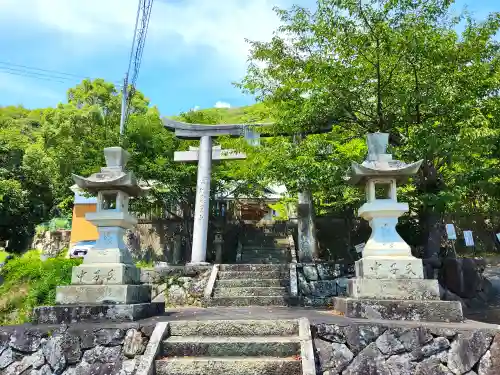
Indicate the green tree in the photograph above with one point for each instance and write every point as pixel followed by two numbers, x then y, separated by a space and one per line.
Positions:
pixel 396 66
pixel 40 149
pixel 25 187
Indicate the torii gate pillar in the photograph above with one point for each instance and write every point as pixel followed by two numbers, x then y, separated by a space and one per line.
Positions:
pixel 202 205
pixel 205 154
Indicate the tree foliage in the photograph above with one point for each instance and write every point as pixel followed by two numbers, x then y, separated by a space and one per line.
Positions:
pixel 395 66
pixel 412 68
pixel 40 149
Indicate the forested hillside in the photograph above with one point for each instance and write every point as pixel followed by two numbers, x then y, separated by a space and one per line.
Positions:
pixel 401 68
pixel 39 149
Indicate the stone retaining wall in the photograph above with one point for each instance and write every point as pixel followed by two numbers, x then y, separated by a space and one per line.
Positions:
pixel 50 243
pixel 352 348
pixel 378 349
pixel 68 351
pixel 177 285
pixel 317 282
pixel 460 280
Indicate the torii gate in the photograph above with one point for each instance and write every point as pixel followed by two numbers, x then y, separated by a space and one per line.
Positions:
pixel 204 156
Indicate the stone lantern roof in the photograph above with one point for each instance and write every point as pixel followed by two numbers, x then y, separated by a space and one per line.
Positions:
pixel 380 164
pixel 113 176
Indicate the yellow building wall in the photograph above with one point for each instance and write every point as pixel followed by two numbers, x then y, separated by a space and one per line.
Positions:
pixel 81 229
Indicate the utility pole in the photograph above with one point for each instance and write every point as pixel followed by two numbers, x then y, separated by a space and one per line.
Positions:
pixel 124 106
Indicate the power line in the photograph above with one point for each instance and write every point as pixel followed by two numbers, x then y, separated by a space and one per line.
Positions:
pixel 43 70
pixel 144 9
pixel 43 74
pixel 31 75
pixel 147 6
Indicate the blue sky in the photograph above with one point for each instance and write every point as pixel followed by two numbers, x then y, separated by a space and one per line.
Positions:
pixel 194 51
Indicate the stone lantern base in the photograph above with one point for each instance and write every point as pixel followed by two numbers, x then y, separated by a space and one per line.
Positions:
pixel 394 289
pixel 123 299
pixel 392 309
pixel 101 292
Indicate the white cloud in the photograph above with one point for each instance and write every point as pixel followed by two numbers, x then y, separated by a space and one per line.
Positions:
pixel 176 27
pixel 195 108
pixel 220 104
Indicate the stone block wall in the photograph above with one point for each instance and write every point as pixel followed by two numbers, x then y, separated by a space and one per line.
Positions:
pixel 369 348
pixel 90 351
pixel 50 243
pixel 177 285
pixel 317 282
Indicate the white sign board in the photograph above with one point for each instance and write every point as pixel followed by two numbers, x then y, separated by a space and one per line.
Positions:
pixel 359 248
pixel 450 231
pixel 469 241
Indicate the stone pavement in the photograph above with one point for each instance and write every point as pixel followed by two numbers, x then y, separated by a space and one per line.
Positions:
pixel 314 315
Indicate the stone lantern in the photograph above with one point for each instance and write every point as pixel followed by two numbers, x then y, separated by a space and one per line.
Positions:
pixel 380 175
pixel 107 284
pixel 218 244
pixel 389 282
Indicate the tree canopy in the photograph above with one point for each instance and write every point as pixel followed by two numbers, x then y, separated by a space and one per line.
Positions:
pixel 416 69
pixel 396 66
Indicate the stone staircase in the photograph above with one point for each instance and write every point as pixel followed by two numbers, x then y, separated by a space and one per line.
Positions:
pixel 261 247
pixel 251 285
pixel 232 347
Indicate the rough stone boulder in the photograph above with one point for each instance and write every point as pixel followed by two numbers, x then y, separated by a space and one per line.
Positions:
pixel 490 362
pixel 463 277
pixel 26 341
pixel 467 350
pixel 369 361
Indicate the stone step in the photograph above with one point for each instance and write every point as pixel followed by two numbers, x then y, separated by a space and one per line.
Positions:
pixel 224 346
pixel 259 242
pixel 264 260
pixel 248 301
pixel 317 301
pixel 264 255
pixel 250 256
pixel 230 366
pixel 240 283
pixel 236 292
pixel 265 249
pixel 274 249
pixel 253 267
pixel 275 327
pixel 277 274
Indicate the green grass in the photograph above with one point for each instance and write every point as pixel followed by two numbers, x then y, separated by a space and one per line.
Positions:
pixel 144 264
pixel 3 255
pixel 29 282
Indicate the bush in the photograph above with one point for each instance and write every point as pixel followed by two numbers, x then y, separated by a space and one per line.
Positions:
pixel 29 282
